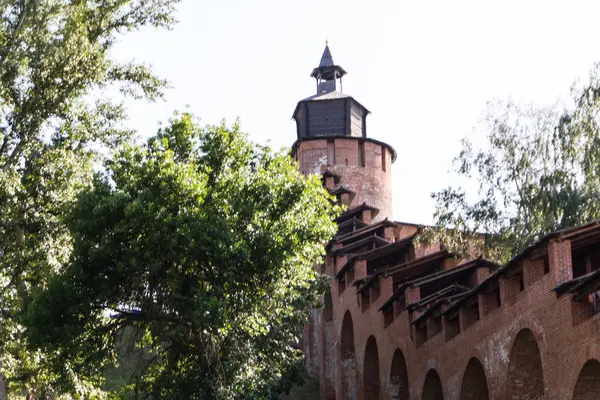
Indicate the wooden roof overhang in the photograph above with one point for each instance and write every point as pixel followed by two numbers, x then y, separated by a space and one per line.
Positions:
pixel 373 239
pixel 460 269
pixel 487 285
pixel 330 174
pixel 368 229
pixel 580 237
pixel 358 233
pixel 376 240
pixel 417 267
pixel 451 290
pixel 580 287
pixel 365 283
pixel 435 309
pixel 353 212
pixel 398 294
pixel 342 190
pixel 355 222
pixel 386 255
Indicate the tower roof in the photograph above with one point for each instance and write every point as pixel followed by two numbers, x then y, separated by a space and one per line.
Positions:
pixel 326 58
pixel 327 69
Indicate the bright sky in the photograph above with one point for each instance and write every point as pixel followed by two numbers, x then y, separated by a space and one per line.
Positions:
pixel 425 69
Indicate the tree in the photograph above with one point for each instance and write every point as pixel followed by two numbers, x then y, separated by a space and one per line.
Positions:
pixel 204 245
pixel 539 172
pixel 54 72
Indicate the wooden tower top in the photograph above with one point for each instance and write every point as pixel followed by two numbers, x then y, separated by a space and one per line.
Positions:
pixel 330 112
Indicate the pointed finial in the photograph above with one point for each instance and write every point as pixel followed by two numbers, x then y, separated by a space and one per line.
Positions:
pixel 326 42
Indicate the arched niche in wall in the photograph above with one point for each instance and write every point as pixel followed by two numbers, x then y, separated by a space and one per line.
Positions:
pixel 398 387
pixel 371 381
pixel 348 371
pixel 588 382
pixel 328 381
pixel 474 383
pixel 432 388
pixel 525 371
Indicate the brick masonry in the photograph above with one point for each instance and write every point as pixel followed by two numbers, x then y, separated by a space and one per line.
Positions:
pixel 407 322
pixel 370 183
pixel 524 342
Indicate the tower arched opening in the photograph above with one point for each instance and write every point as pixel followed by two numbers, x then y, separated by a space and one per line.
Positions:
pixel 432 388
pixel 588 382
pixel 328 373
pixel 371 371
pixel 474 384
pixel 398 387
pixel 525 371
pixel 348 372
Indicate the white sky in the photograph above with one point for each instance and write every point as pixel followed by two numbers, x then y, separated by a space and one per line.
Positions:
pixel 425 69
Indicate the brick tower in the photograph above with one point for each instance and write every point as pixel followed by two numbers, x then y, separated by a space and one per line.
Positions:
pixel 332 140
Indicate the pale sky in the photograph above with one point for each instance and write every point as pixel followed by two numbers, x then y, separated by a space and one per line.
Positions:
pixel 425 69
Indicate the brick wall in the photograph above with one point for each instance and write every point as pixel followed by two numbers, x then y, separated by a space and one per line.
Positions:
pixel 491 339
pixel 370 183
pixel 517 340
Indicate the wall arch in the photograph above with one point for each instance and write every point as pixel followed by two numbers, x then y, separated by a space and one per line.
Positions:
pixel 328 373
pixel 398 388
pixel 371 380
pixel 348 372
pixel 588 382
pixel 474 383
pixel 525 380
pixel 432 388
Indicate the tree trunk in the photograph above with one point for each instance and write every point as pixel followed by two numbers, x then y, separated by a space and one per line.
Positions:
pixel 3 392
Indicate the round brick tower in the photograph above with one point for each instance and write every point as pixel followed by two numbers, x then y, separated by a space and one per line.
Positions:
pixel 332 140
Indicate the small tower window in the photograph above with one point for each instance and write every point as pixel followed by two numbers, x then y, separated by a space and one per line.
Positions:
pixel 383 158
pixel 330 152
pixel 361 154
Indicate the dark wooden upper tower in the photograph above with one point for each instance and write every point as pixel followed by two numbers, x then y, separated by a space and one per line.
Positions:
pixel 330 112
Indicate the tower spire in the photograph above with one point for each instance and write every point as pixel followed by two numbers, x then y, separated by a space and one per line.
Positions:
pixel 327 73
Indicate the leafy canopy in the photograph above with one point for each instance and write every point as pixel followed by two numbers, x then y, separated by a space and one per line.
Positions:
pixel 204 244
pixel 539 172
pixel 55 73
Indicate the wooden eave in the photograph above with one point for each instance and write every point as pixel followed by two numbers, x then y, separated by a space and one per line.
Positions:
pixel 565 287
pixel 356 210
pixel 354 221
pixel 428 259
pixel 365 230
pixel 387 250
pixel 459 269
pixel 398 293
pixel 431 311
pixel 454 289
pixel 369 239
pixel 346 266
pixel 366 283
pixel 581 287
pixel 492 280
pixel 330 174
pixel 579 236
pixel 340 190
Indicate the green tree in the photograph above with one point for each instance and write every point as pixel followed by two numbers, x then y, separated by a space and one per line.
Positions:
pixel 55 73
pixel 204 245
pixel 538 172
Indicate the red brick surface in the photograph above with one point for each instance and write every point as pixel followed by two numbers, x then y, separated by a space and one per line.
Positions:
pixel 371 184
pixel 517 340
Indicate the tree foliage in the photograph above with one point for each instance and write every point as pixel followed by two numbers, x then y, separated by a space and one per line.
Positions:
pixel 539 172
pixel 204 244
pixel 55 69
